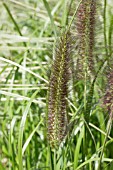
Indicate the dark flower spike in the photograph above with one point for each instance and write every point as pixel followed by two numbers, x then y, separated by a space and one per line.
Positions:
pixel 85 32
pixel 108 98
pixel 58 91
pixel 92 20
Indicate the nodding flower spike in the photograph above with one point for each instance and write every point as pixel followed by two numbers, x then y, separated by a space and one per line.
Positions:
pixel 58 91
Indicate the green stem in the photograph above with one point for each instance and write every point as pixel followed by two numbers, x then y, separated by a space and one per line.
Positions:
pixel 55 159
pixel 51 159
pixel 68 12
pixel 74 15
pixel 84 145
pixel 50 16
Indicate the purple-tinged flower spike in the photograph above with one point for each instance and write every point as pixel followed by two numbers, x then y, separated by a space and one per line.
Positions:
pixel 92 21
pixel 108 98
pixel 58 91
pixel 85 33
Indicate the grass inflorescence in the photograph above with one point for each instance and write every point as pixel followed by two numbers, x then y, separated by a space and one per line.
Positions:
pixel 108 97
pixel 85 26
pixel 58 90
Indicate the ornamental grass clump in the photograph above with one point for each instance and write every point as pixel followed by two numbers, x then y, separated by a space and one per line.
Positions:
pixel 86 34
pixel 58 90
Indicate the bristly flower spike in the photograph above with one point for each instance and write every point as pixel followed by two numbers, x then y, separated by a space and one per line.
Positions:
pixel 58 91
pixel 108 98
pixel 85 33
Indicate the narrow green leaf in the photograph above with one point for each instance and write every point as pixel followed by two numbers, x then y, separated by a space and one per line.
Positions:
pixel 50 16
pixel 21 130
pixel 30 137
pixel 77 149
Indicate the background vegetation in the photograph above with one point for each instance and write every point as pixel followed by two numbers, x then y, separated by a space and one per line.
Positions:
pixel 28 29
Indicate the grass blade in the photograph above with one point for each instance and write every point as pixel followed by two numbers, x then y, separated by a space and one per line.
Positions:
pixel 21 131
pixel 50 16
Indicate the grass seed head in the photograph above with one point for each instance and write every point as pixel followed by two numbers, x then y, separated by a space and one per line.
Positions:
pixel 58 91
pixel 85 32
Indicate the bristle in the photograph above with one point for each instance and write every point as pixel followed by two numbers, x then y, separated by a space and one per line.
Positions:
pixel 58 91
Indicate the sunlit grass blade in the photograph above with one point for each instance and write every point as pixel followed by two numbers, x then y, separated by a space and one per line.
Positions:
pixel 23 68
pixel 77 149
pixel 30 137
pixel 21 131
pixel 50 16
